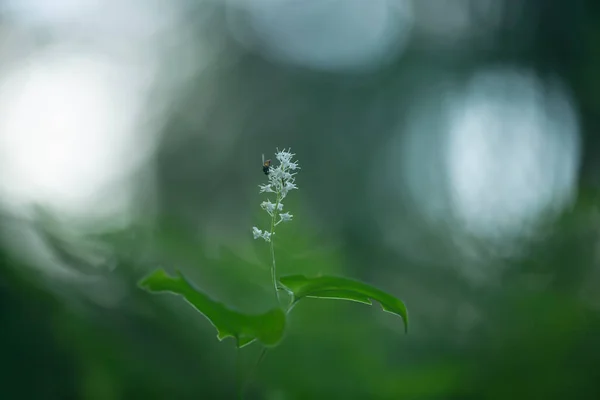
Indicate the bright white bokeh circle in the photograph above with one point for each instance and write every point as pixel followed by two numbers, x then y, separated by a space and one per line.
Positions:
pixel 328 35
pixel 490 157
pixel 69 135
pixel 512 151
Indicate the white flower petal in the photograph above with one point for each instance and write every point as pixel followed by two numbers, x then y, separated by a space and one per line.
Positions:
pixel 266 188
pixel 266 236
pixel 285 217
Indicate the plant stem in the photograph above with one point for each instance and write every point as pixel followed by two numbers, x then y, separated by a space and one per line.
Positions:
pixel 261 356
pixel 273 265
pixel 239 377
pixel 273 271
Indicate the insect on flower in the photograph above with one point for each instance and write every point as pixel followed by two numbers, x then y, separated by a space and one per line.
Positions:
pixel 281 180
pixel 266 165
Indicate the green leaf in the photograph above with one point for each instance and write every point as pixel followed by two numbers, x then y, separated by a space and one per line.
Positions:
pixel 267 328
pixel 331 287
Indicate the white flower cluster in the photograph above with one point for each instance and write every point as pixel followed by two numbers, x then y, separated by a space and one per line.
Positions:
pixel 281 182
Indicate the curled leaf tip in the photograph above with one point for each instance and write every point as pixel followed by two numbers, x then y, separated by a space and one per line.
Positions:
pixel 338 288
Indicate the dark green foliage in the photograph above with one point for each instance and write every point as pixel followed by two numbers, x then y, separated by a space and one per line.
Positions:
pixel 267 328
pixel 331 287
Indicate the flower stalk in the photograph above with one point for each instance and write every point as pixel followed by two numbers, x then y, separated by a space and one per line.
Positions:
pixel 281 180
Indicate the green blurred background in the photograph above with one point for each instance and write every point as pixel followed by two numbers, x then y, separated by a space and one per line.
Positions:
pixel 449 154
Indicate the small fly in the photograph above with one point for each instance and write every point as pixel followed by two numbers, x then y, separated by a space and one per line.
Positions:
pixel 266 165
